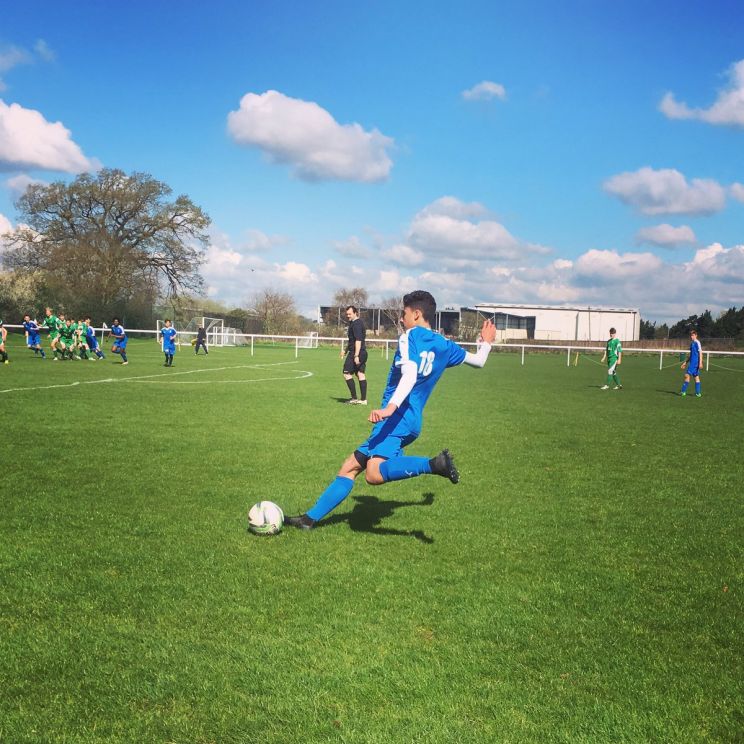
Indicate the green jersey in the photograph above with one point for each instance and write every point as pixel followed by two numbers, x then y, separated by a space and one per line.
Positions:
pixel 53 323
pixel 67 333
pixel 614 349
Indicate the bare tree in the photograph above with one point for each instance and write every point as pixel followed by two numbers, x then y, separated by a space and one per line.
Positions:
pixel 356 296
pixel 392 307
pixel 276 310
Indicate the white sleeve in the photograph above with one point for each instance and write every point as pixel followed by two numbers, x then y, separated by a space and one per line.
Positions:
pixel 408 373
pixel 479 358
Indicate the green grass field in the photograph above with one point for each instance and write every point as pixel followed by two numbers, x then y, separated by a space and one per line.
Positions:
pixel 583 582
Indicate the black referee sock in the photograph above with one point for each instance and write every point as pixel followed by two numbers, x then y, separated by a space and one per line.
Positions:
pixel 352 388
pixel 363 389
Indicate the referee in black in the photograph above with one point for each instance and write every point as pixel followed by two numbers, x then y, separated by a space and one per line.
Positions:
pixel 356 357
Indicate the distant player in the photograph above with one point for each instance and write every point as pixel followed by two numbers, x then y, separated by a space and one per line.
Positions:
pixel 33 337
pixel 53 324
pixel 356 357
pixel 3 336
pixel 120 340
pixel 66 340
pixel 201 340
pixel 614 356
pixel 693 362
pixel 91 341
pixel 420 360
pixel 168 339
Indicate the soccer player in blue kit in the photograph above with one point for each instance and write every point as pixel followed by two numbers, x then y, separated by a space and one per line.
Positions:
pixel 168 336
pixel 693 362
pixel 120 340
pixel 420 360
pixel 33 338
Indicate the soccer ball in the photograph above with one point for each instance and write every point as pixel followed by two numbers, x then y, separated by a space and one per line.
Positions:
pixel 265 518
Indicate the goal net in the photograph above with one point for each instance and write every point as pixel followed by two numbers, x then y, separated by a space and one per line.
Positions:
pixel 215 328
pixel 308 341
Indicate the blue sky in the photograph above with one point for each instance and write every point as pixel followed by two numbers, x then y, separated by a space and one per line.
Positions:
pixel 561 153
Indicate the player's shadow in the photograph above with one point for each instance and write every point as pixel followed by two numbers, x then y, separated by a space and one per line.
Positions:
pixel 675 393
pixel 369 511
pixel 340 400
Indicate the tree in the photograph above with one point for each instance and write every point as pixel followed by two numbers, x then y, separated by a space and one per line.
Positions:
pixel 356 296
pixel 276 310
pixel 648 329
pixel 392 307
pixel 104 242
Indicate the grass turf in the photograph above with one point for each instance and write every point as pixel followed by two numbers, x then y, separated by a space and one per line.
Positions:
pixel 583 582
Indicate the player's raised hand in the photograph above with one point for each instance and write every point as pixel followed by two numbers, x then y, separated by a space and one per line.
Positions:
pixel 488 331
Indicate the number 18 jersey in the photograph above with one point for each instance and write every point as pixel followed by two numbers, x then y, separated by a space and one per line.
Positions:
pixel 432 353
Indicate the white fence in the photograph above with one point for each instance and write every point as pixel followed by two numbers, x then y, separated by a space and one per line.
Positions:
pixel 231 338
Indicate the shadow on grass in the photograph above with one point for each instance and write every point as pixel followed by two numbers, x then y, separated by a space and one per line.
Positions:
pixel 370 511
pixel 675 393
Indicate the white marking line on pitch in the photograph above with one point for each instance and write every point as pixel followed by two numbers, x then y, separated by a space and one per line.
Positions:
pixel 138 378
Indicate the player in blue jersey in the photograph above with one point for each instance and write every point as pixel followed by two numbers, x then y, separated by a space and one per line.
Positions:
pixel 168 339
pixel 420 360
pixel 33 337
pixel 91 341
pixel 120 340
pixel 693 363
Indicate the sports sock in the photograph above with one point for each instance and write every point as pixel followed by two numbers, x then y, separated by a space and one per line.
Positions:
pixel 4 356
pixel 609 379
pixel 684 386
pixel 400 468
pixel 616 378
pixel 123 355
pixel 352 388
pixel 99 354
pixel 363 389
pixel 697 388
pixel 43 355
pixel 336 492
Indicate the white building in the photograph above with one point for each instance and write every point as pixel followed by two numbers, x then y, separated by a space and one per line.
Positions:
pixel 549 323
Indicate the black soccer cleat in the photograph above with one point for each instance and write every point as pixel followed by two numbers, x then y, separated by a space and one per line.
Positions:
pixel 302 521
pixel 444 465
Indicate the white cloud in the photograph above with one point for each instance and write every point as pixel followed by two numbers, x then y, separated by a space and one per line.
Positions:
pixel 18 184
pixel 562 263
pixel 665 236
pixel 666 191
pixel 44 51
pixel 403 255
pixel 28 140
pixel 447 230
pixel 728 108
pixel 485 91
pixel 352 248
pixel 306 137
pixel 737 191
pixel 5 224
pixel 611 266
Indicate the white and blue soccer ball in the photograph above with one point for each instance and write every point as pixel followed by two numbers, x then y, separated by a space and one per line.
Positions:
pixel 265 518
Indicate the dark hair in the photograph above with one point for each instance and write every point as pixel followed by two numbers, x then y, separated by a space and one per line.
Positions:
pixel 115 320
pixel 167 320
pixel 351 307
pixel 694 330
pixel 612 330
pixel 423 301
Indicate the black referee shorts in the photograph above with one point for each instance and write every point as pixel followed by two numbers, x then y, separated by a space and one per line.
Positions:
pixel 350 368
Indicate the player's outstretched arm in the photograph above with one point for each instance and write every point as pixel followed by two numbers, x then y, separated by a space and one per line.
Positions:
pixel 487 337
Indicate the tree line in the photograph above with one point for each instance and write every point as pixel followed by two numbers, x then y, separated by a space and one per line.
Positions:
pixel 728 324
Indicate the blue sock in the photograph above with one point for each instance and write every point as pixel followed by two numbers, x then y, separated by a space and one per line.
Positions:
pixel 43 355
pixel 100 354
pixel 697 388
pixel 399 468
pixel 684 386
pixel 331 497
pixel 124 355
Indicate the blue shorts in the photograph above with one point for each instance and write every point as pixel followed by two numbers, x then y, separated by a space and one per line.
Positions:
pixel 92 342
pixel 387 440
pixel 121 343
pixel 34 339
pixel 694 371
pixel 169 348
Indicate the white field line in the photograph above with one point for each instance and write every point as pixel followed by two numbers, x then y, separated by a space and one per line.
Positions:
pixel 299 375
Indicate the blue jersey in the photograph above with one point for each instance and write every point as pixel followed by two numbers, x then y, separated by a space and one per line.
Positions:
pixel 33 332
pixel 696 355
pixel 169 338
pixel 118 330
pixel 90 332
pixel 432 353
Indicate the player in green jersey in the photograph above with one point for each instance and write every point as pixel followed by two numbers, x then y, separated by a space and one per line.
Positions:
pixel 53 323
pixel 82 343
pixel 614 356
pixel 67 339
